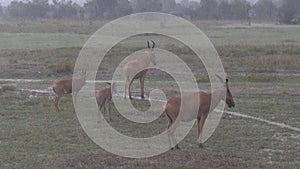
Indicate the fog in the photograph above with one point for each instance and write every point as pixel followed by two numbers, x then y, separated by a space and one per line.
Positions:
pixel 286 12
pixel 81 2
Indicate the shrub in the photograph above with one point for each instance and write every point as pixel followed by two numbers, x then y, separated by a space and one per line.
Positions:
pixel 285 62
pixel 64 66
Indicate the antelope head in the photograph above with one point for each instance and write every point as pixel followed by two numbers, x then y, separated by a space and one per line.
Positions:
pixel 229 98
pixel 150 52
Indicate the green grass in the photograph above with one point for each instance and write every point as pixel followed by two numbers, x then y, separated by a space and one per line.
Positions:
pixel 59 62
pixel 33 135
pixel 59 34
pixel 34 41
pixel 253 36
pixel 30 134
pixel 50 26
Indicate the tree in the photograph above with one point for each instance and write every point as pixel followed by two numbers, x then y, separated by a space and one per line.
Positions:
pixel 32 10
pixel 107 9
pixel 288 11
pixel 168 5
pixel 1 10
pixel 65 9
pixel 208 9
pixel 100 9
pixel 224 10
pixel 122 8
pixel 240 9
pixel 17 9
pixel 265 9
pixel 38 8
pixel 147 5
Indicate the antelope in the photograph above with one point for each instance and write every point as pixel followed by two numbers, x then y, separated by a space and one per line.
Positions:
pixel 137 69
pixel 190 111
pixel 64 86
pixel 103 98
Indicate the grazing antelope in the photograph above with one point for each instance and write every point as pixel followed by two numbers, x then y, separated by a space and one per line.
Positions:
pixel 137 69
pixel 64 86
pixel 103 97
pixel 190 111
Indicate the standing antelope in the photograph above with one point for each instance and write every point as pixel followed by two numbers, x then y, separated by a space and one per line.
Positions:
pixel 64 86
pixel 103 97
pixel 190 111
pixel 137 69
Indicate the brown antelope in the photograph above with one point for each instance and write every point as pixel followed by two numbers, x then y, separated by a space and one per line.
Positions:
pixel 103 98
pixel 190 111
pixel 64 86
pixel 137 69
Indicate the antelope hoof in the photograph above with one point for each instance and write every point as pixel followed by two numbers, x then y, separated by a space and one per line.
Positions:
pixel 177 147
pixel 130 98
pixel 200 145
pixel 143 97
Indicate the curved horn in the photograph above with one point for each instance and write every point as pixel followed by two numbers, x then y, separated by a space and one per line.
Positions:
pixel 148 44
pixel 153 44
pixel 219 77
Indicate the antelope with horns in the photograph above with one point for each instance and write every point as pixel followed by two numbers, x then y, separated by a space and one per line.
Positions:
pixel 103 98
pixel 137 69
pixel 64 86
pixel 190 110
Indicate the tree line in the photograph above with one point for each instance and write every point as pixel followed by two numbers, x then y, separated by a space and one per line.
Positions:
pixel 286 11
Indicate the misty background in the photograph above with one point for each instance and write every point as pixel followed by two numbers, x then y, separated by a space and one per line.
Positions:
pixel 279 11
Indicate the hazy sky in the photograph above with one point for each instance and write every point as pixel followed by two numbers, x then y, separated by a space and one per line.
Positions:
pixel 6 2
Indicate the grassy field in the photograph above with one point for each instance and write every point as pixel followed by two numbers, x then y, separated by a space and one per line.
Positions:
pixel 263 68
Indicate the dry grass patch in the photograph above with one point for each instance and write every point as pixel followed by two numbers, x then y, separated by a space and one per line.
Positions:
pixel 286 62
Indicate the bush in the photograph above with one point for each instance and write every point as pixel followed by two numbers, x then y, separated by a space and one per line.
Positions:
pixel 284 62
pixel 64 66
